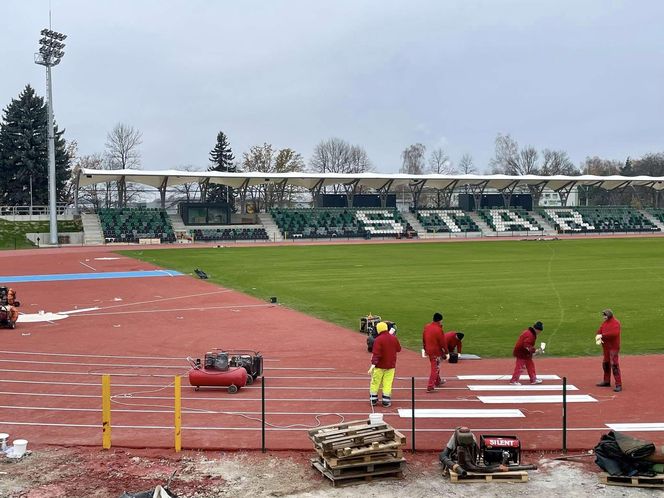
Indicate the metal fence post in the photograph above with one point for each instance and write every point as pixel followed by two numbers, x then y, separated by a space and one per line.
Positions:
pixel 412 415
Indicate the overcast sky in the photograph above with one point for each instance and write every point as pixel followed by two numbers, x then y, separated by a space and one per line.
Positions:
pixel 583 76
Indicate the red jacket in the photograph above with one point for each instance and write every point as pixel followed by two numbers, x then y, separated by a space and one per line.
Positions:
pixel 385 350
pixel 525 344
pixel 452 342
pixel 610 330
pixel 433 339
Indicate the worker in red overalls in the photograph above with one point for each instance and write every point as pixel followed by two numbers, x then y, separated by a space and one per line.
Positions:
pixel 524 350
pixel 608 336
pixel 453 340
pixel 434 348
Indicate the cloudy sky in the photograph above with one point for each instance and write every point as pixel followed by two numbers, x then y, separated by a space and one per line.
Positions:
pixel 585 76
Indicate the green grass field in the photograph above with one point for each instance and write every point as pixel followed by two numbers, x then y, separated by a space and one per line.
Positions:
pixel 490 290
pixel 12 233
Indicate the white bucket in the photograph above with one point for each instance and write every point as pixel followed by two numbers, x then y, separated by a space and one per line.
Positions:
pixel 375 418
pixel 3 441
pixel 20 445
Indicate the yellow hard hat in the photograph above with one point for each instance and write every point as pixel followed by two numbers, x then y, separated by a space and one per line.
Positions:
pixel 381 327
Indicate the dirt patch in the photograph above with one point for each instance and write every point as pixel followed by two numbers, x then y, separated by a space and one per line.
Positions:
pixel 56 472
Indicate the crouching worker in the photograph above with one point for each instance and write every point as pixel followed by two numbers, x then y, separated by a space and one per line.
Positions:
pixel 383 364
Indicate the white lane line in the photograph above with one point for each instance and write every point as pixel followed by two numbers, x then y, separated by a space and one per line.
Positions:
pixel 288 429
pixel 82 310
pixel 460 413
pixel 504 377
pixel 223 399
pixel 179 310
pixel 655 426
pixel 528 387
pixel 87 266
pixel 556 398
pixel 37 353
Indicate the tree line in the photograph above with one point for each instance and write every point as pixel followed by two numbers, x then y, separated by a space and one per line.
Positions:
pixel 24 165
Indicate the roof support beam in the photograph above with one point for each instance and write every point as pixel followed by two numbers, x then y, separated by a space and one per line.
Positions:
pixel 162 192
pixel 383 191
pixel 416 190
pixel 350 188
pixel 243 195
pixel 507 192
pixel 478 190
pixel 564 191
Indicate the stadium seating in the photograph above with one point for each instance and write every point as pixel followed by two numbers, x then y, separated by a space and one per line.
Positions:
pixel 599 219
pixel 341 222
pixel 446 221
pixel 227 234
pixel 132 224
pixel 509 220
pixel 657 213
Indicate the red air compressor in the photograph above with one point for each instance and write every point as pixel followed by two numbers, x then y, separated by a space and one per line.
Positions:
pixel 496 449
pixel 216 372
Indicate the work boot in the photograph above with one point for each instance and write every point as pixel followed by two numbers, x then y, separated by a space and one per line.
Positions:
pixel 536 381
pixel 515 383
pixel 617 389
pixel 440 382
pixel 603 384
pixel 430 390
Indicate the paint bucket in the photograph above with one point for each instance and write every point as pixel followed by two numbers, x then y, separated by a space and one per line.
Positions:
pixel 20 445
pixel 273 300
pixel 3 441
pixel 375 418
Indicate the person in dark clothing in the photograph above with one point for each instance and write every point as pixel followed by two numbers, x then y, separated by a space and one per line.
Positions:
pixel 524 350
pixel 608 335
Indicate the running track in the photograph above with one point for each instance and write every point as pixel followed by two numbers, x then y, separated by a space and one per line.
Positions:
pixel 141 329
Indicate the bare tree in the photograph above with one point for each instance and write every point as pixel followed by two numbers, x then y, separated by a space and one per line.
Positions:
pixel 287 161
pixel 122 152
pixel 412 159
pixel 440 163
pixel 338 156
pixel 466 166
pixel 260 158
pixel 96 195
pixel 557 162
pixel 509 160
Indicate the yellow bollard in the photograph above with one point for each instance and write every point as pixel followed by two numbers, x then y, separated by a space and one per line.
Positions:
pixel 178 414
pixel 106 411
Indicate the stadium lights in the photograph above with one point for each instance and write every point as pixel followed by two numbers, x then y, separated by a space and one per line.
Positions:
pixel 51 52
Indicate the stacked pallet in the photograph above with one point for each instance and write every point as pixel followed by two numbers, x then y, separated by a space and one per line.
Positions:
pixel 358 451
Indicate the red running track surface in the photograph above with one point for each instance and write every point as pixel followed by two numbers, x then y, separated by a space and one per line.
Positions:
pixel 315 372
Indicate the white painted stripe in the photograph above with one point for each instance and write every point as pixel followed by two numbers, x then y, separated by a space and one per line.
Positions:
pixel 504 377
pixel 526 387
pixel 460 413
pixel 70 312
pixel 88 266
pixel 556 398
pixel 656 426
pixel 37 353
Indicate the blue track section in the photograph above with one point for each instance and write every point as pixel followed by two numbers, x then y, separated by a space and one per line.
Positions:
pixel 88 276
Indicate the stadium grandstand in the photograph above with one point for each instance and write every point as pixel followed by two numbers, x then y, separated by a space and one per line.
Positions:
pixel 309 206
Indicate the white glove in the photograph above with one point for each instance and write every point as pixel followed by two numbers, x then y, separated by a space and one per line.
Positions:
pixel 598 339
pixel 371 369
pixel 424 354
pixel 446 357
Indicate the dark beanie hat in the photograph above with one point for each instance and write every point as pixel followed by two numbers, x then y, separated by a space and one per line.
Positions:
pixel 437 317
pixel 607 313
pixel 538 326
pixel 460 336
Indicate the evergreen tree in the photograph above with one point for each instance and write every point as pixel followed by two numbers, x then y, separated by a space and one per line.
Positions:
pixel 24 152
pixel 222 160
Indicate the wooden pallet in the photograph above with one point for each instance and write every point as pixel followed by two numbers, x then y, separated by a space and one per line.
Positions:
pixel 511 476
pixel 633 481
pixel 338 427
pixel 349 479
pixel 393 464
pixel 378 456
pixel 353 439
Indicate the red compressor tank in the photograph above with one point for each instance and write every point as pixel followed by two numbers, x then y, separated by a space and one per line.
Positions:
pixel 234 378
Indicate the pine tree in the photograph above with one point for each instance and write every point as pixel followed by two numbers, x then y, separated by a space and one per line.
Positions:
pixel 24 152
pixel 222 159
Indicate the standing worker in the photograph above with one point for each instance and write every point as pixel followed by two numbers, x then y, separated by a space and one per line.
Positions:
pixel 524 350
pixel 608 336
pixel 383 364
pixel 434 347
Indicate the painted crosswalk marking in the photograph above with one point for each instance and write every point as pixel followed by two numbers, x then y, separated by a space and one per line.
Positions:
pixel 526 387
pixel 460 413
pixel 555 398
pixel 504 377
pixel 656 426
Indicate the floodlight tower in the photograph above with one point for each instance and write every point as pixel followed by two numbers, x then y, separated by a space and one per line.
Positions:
pixel 50 54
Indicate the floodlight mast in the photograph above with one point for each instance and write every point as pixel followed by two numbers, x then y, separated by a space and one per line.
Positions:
pixel 50 54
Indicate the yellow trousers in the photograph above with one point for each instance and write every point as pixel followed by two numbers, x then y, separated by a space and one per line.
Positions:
pixel 384 376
